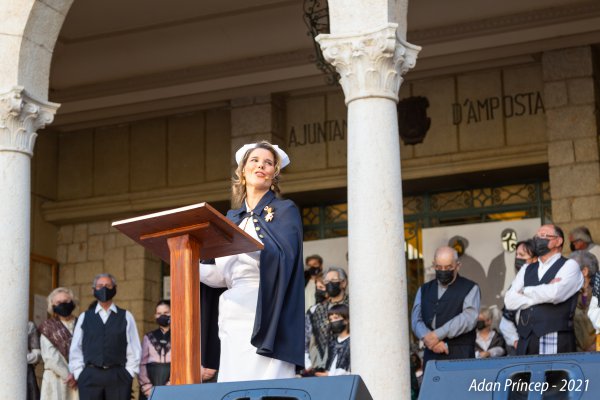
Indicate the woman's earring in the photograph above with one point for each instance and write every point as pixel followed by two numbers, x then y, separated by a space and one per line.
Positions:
pixel 272 187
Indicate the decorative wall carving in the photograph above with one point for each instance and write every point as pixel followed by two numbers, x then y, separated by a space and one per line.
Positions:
pixel 20 117
pixel 370 64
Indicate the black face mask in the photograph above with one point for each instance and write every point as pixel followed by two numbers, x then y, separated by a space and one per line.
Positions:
pixel 480 325
pixel 320 295
pixel 337 327
pixel 314 271
pixel 105 294
pixel 444 277
pixel 519 262
pixel 164 320
pixel 64 309
pixel 333 289
pixel 541 246
pixel 572 246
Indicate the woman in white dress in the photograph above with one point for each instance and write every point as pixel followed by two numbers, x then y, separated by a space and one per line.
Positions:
pixel 55 340
pixel 261 315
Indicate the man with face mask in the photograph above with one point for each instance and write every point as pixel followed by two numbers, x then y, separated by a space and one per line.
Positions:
pixel 545 292
pixel 105 350
pixel 445 311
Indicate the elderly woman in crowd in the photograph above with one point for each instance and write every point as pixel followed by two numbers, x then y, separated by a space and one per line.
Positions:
pixel 488 342
pixel 56 334
pixel 585 334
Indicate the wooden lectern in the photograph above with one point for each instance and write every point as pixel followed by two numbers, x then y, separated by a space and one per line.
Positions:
pixel 182 237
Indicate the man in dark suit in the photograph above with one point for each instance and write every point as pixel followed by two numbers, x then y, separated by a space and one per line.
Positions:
pixel 445 311
pixel 545 292
pixel 105 350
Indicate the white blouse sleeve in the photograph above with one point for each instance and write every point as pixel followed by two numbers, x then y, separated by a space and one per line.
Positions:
pixel 212 275
pixel 594 313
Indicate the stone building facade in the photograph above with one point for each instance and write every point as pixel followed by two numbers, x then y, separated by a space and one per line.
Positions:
pixel 153 105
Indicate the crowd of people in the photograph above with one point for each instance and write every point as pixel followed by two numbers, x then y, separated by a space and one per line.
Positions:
pixel 255 322
pixel 97 354
pixel 270 314
pixel 550 307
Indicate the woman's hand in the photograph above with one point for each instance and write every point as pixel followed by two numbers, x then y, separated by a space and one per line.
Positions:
pixel 148 392
pixel 207 373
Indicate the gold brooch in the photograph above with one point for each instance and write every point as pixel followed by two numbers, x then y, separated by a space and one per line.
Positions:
pixel 270 214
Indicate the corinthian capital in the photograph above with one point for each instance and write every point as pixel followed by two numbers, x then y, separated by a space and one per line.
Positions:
pixel 370 64
pixel 20 117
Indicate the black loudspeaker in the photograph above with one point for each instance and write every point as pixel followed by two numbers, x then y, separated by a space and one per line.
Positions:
pixel 349 387
pixel 568 376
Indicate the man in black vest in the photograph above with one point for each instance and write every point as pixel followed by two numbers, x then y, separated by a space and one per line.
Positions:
pixel 105 350
pixel 445 312
pixel 545 293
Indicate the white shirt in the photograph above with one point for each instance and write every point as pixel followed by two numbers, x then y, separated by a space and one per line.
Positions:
pixel 520 297
pixel 509 331
pixel 237 269
pixel 594 313
pixel 134 349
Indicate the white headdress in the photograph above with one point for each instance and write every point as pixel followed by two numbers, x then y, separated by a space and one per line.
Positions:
pixel 239 155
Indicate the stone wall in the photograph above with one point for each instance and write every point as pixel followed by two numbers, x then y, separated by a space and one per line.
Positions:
pixel 480 120
pixel 44 175
pixel 144 156
pixel 87 249
pixel 572 134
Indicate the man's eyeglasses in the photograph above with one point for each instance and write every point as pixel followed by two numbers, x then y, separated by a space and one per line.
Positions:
pixel 545 236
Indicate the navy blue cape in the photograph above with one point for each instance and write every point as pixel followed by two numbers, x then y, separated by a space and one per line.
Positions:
pixel 279 322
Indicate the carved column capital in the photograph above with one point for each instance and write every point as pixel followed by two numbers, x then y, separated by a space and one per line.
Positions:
pixel 20 117
pixel 370 64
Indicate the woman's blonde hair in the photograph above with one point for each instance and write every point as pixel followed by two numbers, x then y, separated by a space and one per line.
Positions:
pixel 238 183
pixel 56 291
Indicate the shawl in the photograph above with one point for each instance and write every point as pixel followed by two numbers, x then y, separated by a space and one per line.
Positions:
pixel 160 341
pixel 342 351
pixel 58 334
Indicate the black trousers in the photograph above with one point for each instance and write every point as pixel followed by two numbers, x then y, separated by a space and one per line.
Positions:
pixel 531 344
pixel 104 384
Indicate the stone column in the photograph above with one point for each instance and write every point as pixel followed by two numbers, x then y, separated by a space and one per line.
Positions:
pixel 20 117
pixel 370 65
pixel 572 129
